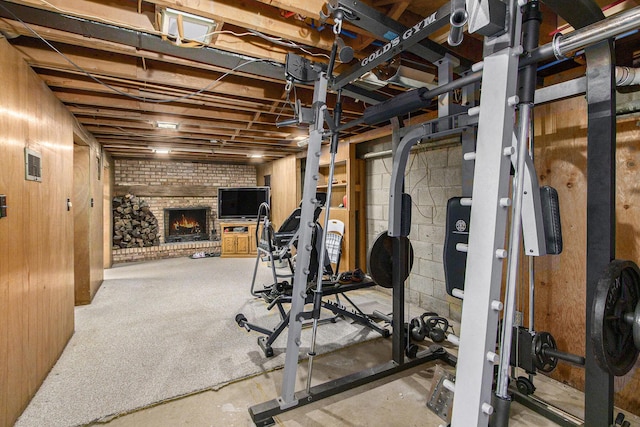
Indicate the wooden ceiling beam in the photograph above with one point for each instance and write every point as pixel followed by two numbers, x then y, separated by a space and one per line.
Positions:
pixel 111 102
pixel 122 14
pixel 240 158
pixel 380 3
pixel 307 8
pixel 394 13
pixel 121 66
pixel 118 131
pixel 252 15
pixel 229 43
pixel 77 42
pixel 241 146
pixel 146 123
pixel 72 79
pixel 60 81
pixel 245 14
pixel 206 119
pixel 83 97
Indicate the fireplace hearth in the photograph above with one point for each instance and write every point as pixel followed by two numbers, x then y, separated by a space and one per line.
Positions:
pixel 186 224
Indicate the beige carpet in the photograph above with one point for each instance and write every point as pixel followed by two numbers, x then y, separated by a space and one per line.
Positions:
pixel 163 329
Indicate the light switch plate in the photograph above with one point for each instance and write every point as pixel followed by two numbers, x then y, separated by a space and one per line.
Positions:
pixel 3 205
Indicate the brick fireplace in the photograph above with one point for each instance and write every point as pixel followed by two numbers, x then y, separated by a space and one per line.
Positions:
pixel 186 224
pixel 174 187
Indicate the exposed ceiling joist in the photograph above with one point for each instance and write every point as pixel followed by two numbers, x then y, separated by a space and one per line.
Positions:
pixel 119 43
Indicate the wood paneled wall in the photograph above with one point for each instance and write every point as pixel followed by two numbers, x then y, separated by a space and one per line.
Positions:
pixel 107 216
pixel 560 153
pixel 286 186
pixel 36 266
pixel 88 221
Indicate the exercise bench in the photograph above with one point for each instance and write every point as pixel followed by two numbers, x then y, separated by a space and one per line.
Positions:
pixel 329 288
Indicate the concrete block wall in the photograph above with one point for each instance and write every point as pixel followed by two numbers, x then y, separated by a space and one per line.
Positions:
pixel 432 177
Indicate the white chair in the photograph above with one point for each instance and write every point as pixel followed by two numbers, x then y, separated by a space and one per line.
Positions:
pixel 333 243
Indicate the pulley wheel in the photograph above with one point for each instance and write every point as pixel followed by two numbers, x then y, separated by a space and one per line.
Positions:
pixel 543 361
pixel 380 263
pixel 612 334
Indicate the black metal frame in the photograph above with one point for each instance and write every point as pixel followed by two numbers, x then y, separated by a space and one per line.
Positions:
pixel 546 410
pixel 377 23
pixel 263 413
pixel 601 173
pixel 329 289
pixel 600 165
pixel 601 219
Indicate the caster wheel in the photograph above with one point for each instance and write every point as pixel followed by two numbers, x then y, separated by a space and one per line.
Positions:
pixel 411 351
pixel 241 319
pixel 525 386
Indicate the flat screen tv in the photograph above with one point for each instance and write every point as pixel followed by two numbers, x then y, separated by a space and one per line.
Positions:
pixel 241 202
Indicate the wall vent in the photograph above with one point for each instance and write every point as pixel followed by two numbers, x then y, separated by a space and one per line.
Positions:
pixel 33 165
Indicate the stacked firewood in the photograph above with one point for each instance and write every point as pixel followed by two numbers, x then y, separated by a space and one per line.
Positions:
pixel 134 225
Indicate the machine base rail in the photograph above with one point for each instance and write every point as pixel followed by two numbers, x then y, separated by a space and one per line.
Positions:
pixel 262 414
pixel 547 410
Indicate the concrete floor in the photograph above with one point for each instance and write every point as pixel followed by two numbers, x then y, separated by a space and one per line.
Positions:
pixel 398 400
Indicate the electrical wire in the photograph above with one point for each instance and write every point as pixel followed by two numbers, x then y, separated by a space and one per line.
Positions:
pixel 99 19
pixel 128 95
pixel 276 40
pixel 140 135
pixel 285 43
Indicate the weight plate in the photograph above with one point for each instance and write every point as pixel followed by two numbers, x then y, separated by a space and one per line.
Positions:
pixel 380 262
pixel 617 295
pixel 543 361
pixel 636 326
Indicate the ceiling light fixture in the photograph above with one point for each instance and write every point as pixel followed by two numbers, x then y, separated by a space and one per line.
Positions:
pixel 400 75
pixel 254 156
pixel 167 125
pixel 193 150
pixel 230 152
pixel 161 150
pixel 185 26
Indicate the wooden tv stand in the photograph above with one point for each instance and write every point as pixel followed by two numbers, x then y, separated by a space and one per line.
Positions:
pixel 238 238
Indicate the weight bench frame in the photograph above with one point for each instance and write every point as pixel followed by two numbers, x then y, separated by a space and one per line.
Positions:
pixel 329 288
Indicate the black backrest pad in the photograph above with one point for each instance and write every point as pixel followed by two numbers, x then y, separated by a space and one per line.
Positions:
pixel 405 219
pixel 456 231
pixel 551 219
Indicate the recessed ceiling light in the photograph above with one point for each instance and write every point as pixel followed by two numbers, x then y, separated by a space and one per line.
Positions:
pixel 167 125
pixel 193 150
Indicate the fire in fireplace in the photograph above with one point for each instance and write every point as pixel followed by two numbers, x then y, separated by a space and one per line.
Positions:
pixel 186 224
